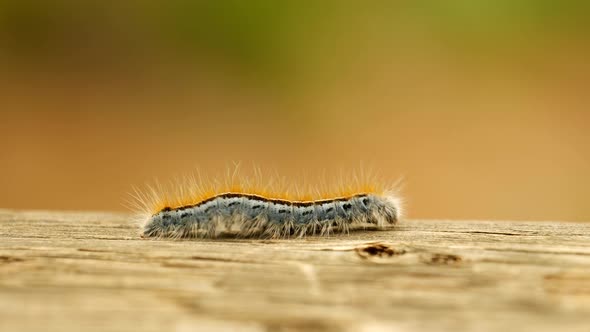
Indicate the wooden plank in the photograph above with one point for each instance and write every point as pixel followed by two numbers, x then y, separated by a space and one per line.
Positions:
pixel 92 272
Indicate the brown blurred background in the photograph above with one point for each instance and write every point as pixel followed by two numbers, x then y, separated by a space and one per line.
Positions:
pixel 482 106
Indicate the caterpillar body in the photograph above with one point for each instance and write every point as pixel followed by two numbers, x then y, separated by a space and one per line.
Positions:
pixel 239 212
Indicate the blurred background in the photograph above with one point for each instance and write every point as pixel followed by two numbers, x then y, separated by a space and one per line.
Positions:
pixel 482 106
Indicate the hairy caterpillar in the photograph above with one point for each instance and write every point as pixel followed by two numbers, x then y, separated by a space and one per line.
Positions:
pixel 242 208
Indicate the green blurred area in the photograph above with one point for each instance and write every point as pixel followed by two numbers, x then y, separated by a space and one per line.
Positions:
pixel 271 37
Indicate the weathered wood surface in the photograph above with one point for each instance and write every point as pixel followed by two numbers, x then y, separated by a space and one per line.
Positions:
pixel 92 272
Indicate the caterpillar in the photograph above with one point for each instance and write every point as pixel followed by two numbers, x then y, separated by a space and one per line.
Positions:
pixel 243 209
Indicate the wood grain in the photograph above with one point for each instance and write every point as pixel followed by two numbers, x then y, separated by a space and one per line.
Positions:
pixel 92 272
